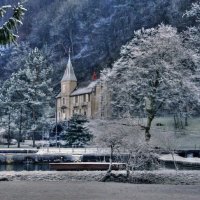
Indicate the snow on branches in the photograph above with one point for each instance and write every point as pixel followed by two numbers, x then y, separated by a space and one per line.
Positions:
pixel 155 71
pixel 7 31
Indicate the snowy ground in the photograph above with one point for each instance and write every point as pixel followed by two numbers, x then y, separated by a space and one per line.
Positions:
pixel 149 177
pixel 95 191
pixel 178 158
pixel 74 151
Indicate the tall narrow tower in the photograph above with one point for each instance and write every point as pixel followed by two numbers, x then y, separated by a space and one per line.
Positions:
pixel 69 81
pixel 68 85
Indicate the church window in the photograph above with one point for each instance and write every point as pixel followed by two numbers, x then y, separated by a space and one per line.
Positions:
pixel 84 98
pixel 76 99
pixel 63 101
pixel 89 97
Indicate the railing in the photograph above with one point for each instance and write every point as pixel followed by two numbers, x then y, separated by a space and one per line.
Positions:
pixel 75 151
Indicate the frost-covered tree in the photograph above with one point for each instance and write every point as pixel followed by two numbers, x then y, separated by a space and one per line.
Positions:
pixel 7 31
pixel 77 134
pixel 29 92
pixel 151 74
pixel 169 143
pixel 192 34
pixel 17 55
pixel 39 90
pixel 125 141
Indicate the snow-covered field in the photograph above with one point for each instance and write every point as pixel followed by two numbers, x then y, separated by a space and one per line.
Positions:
pixel 178 158
pixel 148 177
pixel 24 190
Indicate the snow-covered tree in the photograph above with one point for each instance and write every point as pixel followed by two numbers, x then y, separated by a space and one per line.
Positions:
pixel 151 74
pixel 169 144
pixel 125 141
pixel 29 92
pixel 7 31
pixel 192 34
pixel 39 90
pixel 77 134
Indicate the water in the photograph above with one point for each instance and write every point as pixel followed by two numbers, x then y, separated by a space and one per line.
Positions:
pixel 25 167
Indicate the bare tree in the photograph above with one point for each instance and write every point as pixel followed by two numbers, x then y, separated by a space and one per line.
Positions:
pixel 124 139
pixel 169 144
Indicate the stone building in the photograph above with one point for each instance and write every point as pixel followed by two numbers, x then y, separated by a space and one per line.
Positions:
pixel 88 101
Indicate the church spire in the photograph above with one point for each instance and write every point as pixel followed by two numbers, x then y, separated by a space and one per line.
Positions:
pixel 69 72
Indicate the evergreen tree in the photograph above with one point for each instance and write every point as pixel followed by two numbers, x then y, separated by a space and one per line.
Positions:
pixel 38 93
pixel 7 31
pixel 77 133
pixel 28 92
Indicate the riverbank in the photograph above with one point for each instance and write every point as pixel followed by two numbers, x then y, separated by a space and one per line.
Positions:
pixel 164 177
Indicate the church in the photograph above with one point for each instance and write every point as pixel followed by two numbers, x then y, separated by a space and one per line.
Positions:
pixel 88 101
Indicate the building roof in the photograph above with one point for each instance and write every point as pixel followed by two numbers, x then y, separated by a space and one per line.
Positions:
pixel 59 95
pixel 69 74
pixel 85 90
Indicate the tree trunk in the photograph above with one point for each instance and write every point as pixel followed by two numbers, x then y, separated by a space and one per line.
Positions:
pixel 111 156
pixel 56 125
pixel 108 173
pixel 175 121
pixel 9 130
pixel 20 129
pixel 181 122
pixel 175 165
pixel 33 138
pixel 150 110
pixel 148 127
pixel 186 119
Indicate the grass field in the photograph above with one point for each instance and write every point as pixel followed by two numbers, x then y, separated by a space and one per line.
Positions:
pixel 186 138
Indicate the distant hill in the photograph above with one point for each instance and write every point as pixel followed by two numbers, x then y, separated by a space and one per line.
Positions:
pixel 94 30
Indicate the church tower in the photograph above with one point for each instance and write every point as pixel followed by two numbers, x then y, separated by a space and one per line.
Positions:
pixel 68 85
pixel 69 81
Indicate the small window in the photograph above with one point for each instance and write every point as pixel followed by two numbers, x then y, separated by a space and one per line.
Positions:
pixel 76 99
pixel 89 97
pixel 63 101
pixel 84 98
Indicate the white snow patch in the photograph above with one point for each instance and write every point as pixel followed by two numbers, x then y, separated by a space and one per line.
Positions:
pixel 178 158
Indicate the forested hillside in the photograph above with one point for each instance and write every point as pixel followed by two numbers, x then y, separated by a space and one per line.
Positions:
pixel 94 30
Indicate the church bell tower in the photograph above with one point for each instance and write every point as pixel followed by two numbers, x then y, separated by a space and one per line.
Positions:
pixel 68 85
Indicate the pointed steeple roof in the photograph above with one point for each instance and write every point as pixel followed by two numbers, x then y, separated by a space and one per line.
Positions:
pixel 69 72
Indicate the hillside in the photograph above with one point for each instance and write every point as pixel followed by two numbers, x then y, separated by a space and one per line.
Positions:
pixel 95 30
